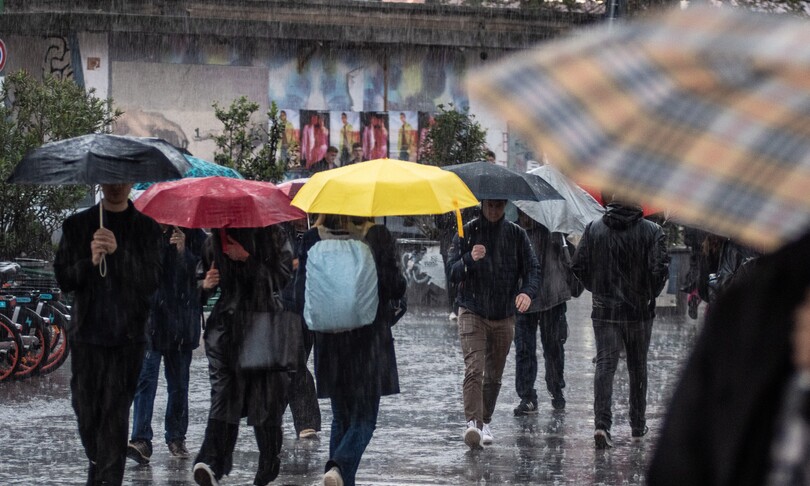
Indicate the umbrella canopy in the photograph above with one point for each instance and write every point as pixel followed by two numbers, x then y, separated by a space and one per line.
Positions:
pixel 384 187
pixel 492 181
pixel 292 187
pixel 100 158
pixel 704 110
pixel 217 202
pixel 199 168
pixel 569 215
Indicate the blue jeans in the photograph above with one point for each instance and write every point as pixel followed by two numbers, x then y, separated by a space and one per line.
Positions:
pixel 354 419
pixel 553 334
pixel 176 369
pixel 610 336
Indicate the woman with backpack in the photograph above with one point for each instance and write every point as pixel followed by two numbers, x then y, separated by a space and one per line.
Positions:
pixel 354 367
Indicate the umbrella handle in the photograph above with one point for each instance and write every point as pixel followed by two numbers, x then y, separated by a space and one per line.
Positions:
pixel 459 223
pixel 102 265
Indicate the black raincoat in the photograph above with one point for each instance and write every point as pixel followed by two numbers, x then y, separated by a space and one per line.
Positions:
pixel 622 259
pixel 721 421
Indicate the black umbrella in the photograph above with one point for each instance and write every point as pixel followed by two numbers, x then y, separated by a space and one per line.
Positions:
pixel 492 181
pixel 101 159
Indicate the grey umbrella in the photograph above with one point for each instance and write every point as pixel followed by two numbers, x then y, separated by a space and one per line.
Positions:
pixel 101 158
pixel 491 181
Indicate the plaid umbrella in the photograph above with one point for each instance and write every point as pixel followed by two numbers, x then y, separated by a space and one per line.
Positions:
pixel 703 110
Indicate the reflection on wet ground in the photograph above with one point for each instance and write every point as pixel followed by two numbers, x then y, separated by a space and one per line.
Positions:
pixel 418 438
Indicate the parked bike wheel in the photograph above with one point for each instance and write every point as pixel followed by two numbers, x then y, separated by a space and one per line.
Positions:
pixel 60 349
pixel 10 348
pixel 36 339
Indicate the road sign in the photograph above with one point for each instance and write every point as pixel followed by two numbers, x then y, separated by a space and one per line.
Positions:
pixel 2 54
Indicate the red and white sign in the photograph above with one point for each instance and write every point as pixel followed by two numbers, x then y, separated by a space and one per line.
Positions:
pixel 2 54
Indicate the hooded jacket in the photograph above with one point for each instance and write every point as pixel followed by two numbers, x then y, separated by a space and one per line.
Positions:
pixel 489 286
pixel 622 259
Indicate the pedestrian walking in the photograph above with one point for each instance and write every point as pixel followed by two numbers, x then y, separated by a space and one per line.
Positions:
pixel 173 333
pixel 306 413
pixel 356 367
pixel 622 259
pixel 107 331
pixel 497 274
pixel 249 266
pixel 548 314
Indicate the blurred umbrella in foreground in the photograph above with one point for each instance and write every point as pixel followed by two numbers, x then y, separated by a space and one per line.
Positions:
pixel 217 202
pixel 704 110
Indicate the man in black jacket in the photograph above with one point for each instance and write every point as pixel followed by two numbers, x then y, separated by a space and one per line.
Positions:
pixel 622 259
pixel 497 273
pixel 107 332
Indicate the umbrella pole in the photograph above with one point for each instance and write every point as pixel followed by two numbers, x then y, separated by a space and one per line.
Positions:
pixel 102 265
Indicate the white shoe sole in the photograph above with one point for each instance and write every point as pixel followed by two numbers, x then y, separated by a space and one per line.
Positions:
pixel 204 476
pixel 472 437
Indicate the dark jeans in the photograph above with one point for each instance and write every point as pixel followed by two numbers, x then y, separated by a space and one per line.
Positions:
pixel 553 334
pixel 102 387
pixel 610 336
pixel 354 418
pixel 176 370
pixel 304 407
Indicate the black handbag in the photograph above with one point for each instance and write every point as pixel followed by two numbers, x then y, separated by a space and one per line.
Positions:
pixel 271 341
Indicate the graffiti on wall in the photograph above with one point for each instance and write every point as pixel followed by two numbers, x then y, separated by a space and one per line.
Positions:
pixel 57 61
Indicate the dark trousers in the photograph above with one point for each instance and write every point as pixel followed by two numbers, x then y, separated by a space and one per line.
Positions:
pixel 354 418
pixel 610 336
pixel 553 334
pixel 176 369
pixel 304 407
pixel 102 387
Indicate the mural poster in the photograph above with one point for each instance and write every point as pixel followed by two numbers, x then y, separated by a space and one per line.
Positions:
pixel 314 136
pixel 404 127
pixel 374 134
pixel 345 134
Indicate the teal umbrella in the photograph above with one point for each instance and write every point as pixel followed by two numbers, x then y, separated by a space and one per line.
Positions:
pixel 199 168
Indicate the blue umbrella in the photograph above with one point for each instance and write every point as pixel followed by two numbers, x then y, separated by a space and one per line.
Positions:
pixel 199 168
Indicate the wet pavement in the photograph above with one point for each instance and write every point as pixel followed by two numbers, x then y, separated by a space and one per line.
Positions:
pixel 418 439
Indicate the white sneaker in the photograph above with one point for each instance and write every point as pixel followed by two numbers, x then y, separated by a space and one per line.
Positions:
pixel 204 476
pixel 453 316
pixel 472 436
pixel 486 435
pixel 333 478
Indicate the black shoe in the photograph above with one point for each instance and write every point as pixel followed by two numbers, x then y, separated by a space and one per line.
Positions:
pixel 602 439
pixel 139 451
pixel 638 435
pixel 526 407
pixel 558 403
pixel 177 448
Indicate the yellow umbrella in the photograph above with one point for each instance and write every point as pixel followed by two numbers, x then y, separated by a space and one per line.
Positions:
pixel 385 187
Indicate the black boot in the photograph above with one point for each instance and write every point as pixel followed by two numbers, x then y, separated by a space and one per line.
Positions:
pixel 269 440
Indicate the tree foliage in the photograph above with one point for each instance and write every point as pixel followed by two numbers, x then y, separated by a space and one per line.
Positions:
pixel 454 138
pixel 247 146
pixel 32 113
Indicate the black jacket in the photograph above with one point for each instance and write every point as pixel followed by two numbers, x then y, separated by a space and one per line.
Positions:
pixel 111 310
pixel 720 423
pixel 176 315
pixel 489 286
pixel 622 259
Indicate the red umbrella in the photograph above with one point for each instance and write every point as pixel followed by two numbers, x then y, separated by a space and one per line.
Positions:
pixel 217 202
pixel 597 194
